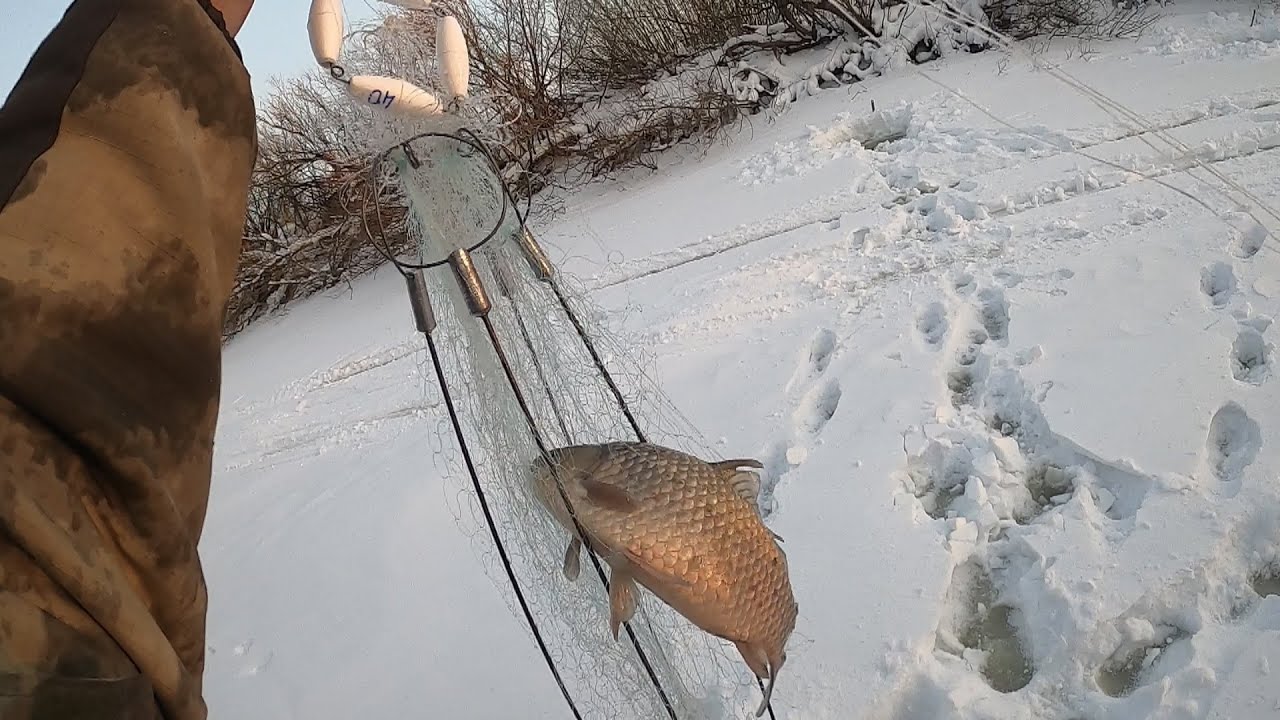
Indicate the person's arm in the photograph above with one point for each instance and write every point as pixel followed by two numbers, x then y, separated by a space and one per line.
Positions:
pixel 126 152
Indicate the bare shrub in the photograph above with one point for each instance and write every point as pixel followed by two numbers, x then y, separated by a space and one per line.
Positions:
pixel 1079 19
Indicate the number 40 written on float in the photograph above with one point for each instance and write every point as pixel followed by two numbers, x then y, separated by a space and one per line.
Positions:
pixel 385 99
pixel 394 96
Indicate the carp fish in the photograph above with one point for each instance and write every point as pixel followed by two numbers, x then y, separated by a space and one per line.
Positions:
pixel 688 530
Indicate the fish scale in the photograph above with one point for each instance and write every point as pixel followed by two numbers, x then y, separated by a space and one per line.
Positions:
pixel 687 530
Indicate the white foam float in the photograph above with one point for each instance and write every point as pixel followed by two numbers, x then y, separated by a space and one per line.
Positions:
pixel 393 95
pixel 451 55
pixel 324 26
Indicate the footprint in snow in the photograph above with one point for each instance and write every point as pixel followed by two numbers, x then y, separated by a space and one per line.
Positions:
pixel 1137 660
pixel 1267 582
pixel 1232 443
pixel 963 283
pixel 1250 356
pixel 1250 240
pixel 931 323
pixel 981 318
pixel 1217 282
pixel 994 312
pixel 819 397
pixel 970 367
pixel 977 621
pixel 1007 277
pixel 821 348
pixel 817 407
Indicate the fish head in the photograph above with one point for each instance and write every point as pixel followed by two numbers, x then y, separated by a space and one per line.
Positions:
pixel 573 460
pixel 566 472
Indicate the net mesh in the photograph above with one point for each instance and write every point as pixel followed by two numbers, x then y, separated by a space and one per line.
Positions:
pixel 571 403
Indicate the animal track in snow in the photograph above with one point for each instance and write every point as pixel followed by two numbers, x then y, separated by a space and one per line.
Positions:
pixel 1217 282
pixel 1250 356
pixel 978 621
pixel 1233 442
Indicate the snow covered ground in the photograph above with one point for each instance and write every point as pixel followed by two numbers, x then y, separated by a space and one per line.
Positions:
pixel 1017 409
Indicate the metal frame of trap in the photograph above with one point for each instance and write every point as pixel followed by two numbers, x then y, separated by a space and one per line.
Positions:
pixel 479 304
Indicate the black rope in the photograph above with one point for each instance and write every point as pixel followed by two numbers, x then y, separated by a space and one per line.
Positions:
pixel 493 527
pixel 546 456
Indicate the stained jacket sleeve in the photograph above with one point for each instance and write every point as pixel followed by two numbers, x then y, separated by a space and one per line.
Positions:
pixel 126 150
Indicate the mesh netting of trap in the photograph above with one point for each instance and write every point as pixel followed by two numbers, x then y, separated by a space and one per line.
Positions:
pixel 455 200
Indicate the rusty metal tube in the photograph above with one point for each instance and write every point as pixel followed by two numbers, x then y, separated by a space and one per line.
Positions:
pixel 534 253
pixel 423 314
pixel 469 280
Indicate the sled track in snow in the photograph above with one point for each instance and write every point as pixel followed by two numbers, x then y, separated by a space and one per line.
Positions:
pixel 831 207
pixel 1184 166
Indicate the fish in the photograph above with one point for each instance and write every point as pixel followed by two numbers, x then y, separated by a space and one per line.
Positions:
pixel 688 530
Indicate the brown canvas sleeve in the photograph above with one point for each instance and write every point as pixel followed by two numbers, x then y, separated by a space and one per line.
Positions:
pixel 125 157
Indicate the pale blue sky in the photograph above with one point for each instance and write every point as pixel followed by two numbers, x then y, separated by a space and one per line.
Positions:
pixel 274 42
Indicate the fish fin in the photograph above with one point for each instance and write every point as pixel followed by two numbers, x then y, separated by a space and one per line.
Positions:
pixel 768 695
pixel 747 487
pixel 571 560
pixel 609 497
pixel 661 575
pixel 739 463
pixel 622 600
pixel 776 536
pixel 745 483
pixel 758 661
pixel 775 664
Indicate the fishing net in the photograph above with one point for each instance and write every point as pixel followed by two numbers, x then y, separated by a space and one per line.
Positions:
pixel 456 201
